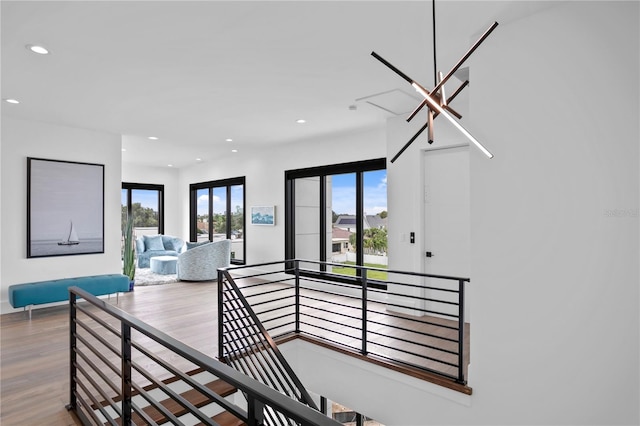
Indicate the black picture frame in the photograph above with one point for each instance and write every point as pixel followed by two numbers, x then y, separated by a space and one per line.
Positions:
pixel 65 208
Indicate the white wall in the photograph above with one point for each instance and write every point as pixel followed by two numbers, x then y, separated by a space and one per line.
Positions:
pixel 562 117
pixel 389 397
pixel 554 268
pixel 22 139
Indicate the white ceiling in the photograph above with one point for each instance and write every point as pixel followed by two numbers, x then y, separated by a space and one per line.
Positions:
pixel 196 73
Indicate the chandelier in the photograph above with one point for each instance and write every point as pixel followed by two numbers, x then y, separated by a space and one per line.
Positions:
pixel 436 100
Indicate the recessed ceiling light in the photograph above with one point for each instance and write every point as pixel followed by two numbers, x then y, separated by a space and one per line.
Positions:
pixel 40 50
pixel 228 140
pixel 153 138
pixel 198 159
pixel 234 150
pixel 123 149
pixel 169 165
pixel 301 121
pixel 12 101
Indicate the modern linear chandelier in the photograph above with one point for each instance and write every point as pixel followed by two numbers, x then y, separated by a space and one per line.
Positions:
pixel 436 100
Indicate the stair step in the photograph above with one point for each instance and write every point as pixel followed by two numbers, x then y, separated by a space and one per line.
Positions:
pixel 227 419
pixel 193 396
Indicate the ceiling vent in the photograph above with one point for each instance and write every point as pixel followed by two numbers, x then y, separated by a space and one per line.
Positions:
pixel 396 101
pixel 399 102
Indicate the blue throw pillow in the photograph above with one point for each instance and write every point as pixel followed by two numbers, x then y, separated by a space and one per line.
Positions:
pixel 172 243
pixel 139 245
pixel 167 242
pixel 178 244
pixel 153 242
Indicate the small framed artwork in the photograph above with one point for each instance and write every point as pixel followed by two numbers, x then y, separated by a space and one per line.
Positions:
pixel 65 208
pixel 263 215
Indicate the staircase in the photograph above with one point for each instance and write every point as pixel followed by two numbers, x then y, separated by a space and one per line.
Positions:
pixel 151 415
pixel 245 344
pixel 133 374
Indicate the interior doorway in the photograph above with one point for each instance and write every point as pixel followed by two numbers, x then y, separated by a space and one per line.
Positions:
pixel 447 216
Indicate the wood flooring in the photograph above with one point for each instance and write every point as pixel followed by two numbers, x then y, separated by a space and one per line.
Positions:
pixel 34 355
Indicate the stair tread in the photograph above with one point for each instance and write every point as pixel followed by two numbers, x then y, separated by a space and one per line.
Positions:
pixel 227 419
pixel 220 387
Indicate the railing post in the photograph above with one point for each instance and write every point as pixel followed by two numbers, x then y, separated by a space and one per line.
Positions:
pixel 220 315
pixel 296 264
pixel 73 403
pixel 364 310
pixel 461 378
pixel 125 340
pixel 255 411
pixel 323 405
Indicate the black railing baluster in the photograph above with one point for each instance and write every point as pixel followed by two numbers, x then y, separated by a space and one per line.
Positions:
pixel 73 403
pixel 323 404
pixel 297 297
pixel 255 412
pixel 126 373
pixel 365 308
pixel 461 378
pixel 220 309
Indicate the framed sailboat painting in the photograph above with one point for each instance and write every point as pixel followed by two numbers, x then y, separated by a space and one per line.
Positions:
pixel 65 208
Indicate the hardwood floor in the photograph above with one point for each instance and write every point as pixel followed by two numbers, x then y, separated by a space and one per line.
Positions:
pixel 34 355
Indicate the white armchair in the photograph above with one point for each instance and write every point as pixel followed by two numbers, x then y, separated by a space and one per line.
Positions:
pixel 201 263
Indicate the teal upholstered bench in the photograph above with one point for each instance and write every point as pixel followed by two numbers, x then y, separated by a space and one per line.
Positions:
pixel 36 293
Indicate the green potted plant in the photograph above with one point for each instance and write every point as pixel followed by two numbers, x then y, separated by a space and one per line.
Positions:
pixel 129 253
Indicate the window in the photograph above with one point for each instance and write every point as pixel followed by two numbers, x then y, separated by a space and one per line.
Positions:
pixel 146 203
pixel 217 213
pixel 338 214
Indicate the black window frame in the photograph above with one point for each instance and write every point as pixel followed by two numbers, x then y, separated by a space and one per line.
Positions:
pixel 129 186
pixel 193 210
pixel 357 167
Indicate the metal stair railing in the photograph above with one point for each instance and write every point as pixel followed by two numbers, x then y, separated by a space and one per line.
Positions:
pixel 118 363
pixel 245 344
pixel 396 318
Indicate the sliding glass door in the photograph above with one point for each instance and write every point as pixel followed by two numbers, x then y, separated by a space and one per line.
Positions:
pixel 338 214
pixel 217 213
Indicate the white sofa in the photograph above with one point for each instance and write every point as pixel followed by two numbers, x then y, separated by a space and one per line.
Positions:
pixel 201 263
